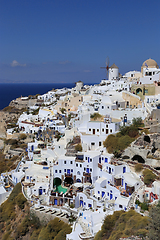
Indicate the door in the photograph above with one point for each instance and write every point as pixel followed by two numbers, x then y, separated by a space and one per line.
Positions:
pixel 81 203
pixel 109 170
pixel 55 201
pixel 124 169
pixel 106 131
pixel 111 196
pixel 125 186
pixel 93 131
pixel 103 194
pixel 87 170
pixel 40 191
pixel 68 171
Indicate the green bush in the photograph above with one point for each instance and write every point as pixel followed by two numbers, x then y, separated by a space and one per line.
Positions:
pixel 138 167
pixel 149 176
pixel 22 136
pixel 95 116
pixel 78 147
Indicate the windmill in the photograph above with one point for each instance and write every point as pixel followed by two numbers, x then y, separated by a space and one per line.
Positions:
pixel 107 67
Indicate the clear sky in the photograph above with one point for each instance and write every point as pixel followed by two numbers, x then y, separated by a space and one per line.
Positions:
pixel 69 40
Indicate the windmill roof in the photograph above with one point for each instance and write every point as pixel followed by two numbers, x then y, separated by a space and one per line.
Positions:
pixel 113 66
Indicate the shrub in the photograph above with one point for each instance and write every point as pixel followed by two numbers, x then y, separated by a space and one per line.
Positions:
pixel 138 167
pixel 149 176
pixel 63 110
pixel 78 147
pixel 22 136
pixel 95 116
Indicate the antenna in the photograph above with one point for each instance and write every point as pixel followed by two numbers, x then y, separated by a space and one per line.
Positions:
pixel 107 66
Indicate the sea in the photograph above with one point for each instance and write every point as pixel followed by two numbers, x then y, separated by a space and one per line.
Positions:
pixel 10 91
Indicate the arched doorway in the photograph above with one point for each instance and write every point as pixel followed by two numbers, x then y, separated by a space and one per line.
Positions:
pixel 138 158
pixel 138 90
pixel 56 182
pixel 68 181
pixel 78 180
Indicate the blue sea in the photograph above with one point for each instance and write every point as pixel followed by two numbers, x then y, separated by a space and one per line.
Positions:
pixel 10 91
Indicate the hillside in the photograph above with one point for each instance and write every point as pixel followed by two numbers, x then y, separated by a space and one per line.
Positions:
pixel 17 222
pixel 123 224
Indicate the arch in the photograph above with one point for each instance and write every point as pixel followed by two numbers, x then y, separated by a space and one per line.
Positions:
pixel 138 158
pixel 68 180
pixel 147 139
pixel 78 180
pixel 138 90
pixel 57 181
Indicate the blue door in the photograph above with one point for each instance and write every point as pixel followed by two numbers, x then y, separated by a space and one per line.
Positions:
pixel 81 203
pixel 32 147
pixel 111 196
pixel 103 194
pixel 125 185
pixel 122 182
pixel 88 159
pixel 40 191
pixel 87 170
pixel 68 171
pixel 55 201
pixel 124 169
pixel 109 170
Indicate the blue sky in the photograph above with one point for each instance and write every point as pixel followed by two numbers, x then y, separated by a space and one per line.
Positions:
pixel 69 40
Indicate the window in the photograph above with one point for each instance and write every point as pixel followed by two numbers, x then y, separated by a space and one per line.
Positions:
pixel 76 164
pixel 110 130
pixel 64 170
pixel 71 170
pixel 90 169
pixel 100 144
pixel 71 162
pixel 102 107
pixel 59 171
pixel 27 177
pixel 98 192
pixel 120 206
pixel 80 165
pixel 102 129
pixel 106 126
pixel 90 159
pixel 92 143
pixel 64 162
pixel 97 130
pixel 55 171
pixel 84 169
pixel 86 158
pixel 106 159
pixel 89 129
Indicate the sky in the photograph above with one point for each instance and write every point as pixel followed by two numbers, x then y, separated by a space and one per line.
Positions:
pixel 59 41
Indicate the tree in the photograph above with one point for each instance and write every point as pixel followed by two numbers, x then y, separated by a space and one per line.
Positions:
pixel 137 122
pixel 154 226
